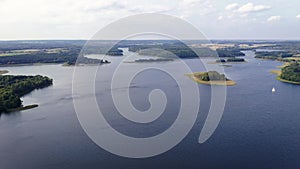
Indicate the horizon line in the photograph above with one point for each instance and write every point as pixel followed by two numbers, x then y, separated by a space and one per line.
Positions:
pixel 215 39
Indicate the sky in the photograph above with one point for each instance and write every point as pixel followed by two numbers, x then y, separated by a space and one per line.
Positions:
pixel 217 19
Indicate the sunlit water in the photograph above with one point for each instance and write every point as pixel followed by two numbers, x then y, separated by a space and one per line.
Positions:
pixel 259 129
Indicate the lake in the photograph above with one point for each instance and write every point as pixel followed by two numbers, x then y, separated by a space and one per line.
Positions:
pixel 259 129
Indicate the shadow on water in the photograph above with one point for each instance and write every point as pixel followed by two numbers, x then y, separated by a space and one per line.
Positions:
pixel 13 113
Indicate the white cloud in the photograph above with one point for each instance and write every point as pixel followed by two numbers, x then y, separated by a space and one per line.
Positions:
pixel 69 12
pixel 274 18
pixel 231 7
pixel 191 2
pixel 60 12
pixel 35 19
pixel 59 19
pixel 247 8
pixel 188 8
pixel 250 7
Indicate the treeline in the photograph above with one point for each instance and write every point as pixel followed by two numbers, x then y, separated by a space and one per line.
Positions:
pixel 174 50
pixel 291 72
pixel 183 51
pixel 40 44
pixel 230 60
pixel 273 55
pixel 39 57
pixel 115 52
pixel 14 87
pixel 154 60
pixel 99 48
pixel 211 76
pixel 229 52
pixel 69 57
pixel 236 60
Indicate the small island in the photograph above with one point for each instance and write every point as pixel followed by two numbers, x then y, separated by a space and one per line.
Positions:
pixel 211 78
pixel 231 60
pixel 150 60
pixel 99 61
pixel 12 88
pixel 154 60
pixel 289 73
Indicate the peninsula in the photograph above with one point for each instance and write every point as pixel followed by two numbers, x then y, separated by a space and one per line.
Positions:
pixel 12 88
pixel 289 73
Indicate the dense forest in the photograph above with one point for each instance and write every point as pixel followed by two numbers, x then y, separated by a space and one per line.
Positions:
pixel 29 52
pixel 211 76
pixel 233 59
pixel 291 72
pixel 14 87
pixel 183 51
pixel 165 50
pixel 273 55
pixel 229 52
pixel 67 51
pixel 40 57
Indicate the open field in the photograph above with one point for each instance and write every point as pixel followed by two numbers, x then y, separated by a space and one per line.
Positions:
pixel 12 54
pixel 32 51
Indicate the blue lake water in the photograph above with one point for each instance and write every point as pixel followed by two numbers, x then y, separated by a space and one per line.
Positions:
pixel 259 129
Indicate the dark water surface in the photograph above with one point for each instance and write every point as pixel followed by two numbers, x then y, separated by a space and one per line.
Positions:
pixel 259 129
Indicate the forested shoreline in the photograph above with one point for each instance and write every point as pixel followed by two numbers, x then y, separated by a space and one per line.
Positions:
pixel 183 51
pixel 12 88
pixel 291 72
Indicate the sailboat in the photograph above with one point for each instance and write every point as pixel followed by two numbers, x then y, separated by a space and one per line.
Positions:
pixel 273 90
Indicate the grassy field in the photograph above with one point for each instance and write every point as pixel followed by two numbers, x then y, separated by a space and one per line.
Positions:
pixel 284 65
pixel 12 54
pixel 293 58
pixel 30 51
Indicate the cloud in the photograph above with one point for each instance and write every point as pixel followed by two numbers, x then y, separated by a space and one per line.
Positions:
pixel 274 18
pixel 231 7
pixel 191 2
pixel 66 18
pixel 188 8
pixel 68 12
pixel 250 7
pixel 247 8
pixel 70 19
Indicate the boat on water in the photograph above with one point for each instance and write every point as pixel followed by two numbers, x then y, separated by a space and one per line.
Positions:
pixel 273 90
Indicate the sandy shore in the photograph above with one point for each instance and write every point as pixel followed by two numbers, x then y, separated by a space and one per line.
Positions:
pixel 3 72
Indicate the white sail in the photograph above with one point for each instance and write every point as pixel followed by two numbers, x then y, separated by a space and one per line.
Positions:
pixel 273 90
